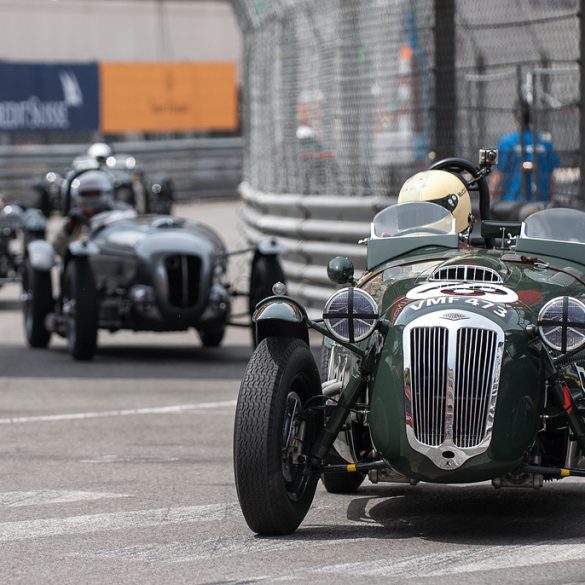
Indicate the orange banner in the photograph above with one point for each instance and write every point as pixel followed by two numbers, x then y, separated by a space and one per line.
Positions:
pixel 166 97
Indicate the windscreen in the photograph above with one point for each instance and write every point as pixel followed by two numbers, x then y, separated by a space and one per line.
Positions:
pixel 406 219
pixel 564 225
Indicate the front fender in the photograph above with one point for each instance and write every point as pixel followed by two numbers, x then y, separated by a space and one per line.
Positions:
pixel 280 317
pixel 41 255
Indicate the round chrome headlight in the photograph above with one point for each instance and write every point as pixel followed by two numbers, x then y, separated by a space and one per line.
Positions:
pixel 561 324
pixel 351 314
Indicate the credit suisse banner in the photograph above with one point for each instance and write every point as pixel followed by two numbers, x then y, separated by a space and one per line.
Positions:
pixel 117 97
pixel 48 97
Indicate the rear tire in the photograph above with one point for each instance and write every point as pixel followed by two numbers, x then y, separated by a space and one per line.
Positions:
pixel 324 362
pixel 265 272
pixel 342 482
pixel 271 442
pixel 81 310
pixel 37 305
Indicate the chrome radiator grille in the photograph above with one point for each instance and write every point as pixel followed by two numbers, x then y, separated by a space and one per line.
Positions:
pixel 183 275
pixel 451 384
pixel 429 382
pixel 476 351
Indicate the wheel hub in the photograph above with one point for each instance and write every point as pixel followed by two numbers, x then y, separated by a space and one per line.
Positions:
pixel 293 431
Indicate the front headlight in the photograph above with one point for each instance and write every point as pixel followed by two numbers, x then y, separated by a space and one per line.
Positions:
pixel 351 314
pixel 561 324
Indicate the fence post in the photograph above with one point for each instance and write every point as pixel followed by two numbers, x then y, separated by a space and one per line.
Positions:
pixel 445 98
pixel 582 102
pixel 350 86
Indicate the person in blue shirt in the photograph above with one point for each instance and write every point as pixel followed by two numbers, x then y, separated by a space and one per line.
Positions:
pixel 507 181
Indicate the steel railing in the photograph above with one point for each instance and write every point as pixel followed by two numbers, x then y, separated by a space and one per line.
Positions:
pixel 210 167
pixel 313 229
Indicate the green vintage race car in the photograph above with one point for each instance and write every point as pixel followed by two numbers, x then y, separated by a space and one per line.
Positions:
pixel 453 359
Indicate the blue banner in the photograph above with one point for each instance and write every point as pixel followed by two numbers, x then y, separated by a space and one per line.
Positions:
pixel 41 97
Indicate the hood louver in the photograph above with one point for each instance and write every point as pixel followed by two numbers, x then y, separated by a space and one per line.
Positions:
pixel 466 273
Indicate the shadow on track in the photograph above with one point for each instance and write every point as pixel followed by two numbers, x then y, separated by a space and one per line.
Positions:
pixel 471 515
pixel 10 305
pixel 460 515
pixel 162 361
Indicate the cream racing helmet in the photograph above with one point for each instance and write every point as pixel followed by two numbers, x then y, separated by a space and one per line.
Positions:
pixel 443 188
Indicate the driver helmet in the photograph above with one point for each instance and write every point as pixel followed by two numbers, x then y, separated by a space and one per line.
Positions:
pixel 444 189
pixel 92 192
pixel 100 152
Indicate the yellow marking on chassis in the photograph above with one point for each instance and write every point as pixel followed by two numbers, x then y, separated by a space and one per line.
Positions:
pixel 351 468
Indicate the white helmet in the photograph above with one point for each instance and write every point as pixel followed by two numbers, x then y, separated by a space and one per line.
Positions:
pixel 100 151
pixel 443 188
pixel 92 191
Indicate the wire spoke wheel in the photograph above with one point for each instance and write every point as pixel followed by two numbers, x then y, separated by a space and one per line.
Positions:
pixel 295 470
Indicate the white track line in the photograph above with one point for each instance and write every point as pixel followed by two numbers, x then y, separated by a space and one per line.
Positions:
pixel 43 497
pixel 127 412
pixel 51 527
pixel 194 550
pixel 466 560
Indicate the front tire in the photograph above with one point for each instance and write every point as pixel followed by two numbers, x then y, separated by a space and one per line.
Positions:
pixel 38 303
pixel 81 309
pixel 273 436
pixel 212 338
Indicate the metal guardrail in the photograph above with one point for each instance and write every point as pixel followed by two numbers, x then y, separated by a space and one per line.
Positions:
pixel 199 168
pixel 313 229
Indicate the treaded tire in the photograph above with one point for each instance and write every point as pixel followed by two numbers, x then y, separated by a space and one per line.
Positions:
pixel 264 273
pixel 37 284
pixel 340 483
pixel 324 362
pixel 82 322
pixel 336 483
pixel 277 368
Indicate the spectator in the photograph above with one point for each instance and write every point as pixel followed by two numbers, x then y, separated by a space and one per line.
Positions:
pixel 507 180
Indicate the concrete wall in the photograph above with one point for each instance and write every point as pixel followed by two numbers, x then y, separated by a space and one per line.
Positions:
pixel 118 30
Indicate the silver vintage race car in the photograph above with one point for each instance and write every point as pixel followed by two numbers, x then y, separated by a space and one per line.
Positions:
pixel 118 270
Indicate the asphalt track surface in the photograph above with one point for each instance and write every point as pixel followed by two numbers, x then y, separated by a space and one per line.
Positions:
pixel 120 471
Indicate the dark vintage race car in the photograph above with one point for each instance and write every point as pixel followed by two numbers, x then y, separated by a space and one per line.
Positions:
pixel 453 359
pixel 17 228
pixel 11 220
pixel 132 184
pixel 142 273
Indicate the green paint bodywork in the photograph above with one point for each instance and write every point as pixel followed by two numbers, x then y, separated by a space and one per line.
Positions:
pixel 515 425
pixel 280 308
pixel 521 392
pixel 280 316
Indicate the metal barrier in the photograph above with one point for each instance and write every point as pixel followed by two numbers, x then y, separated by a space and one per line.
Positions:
pixel 199 168
pixel 313 230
